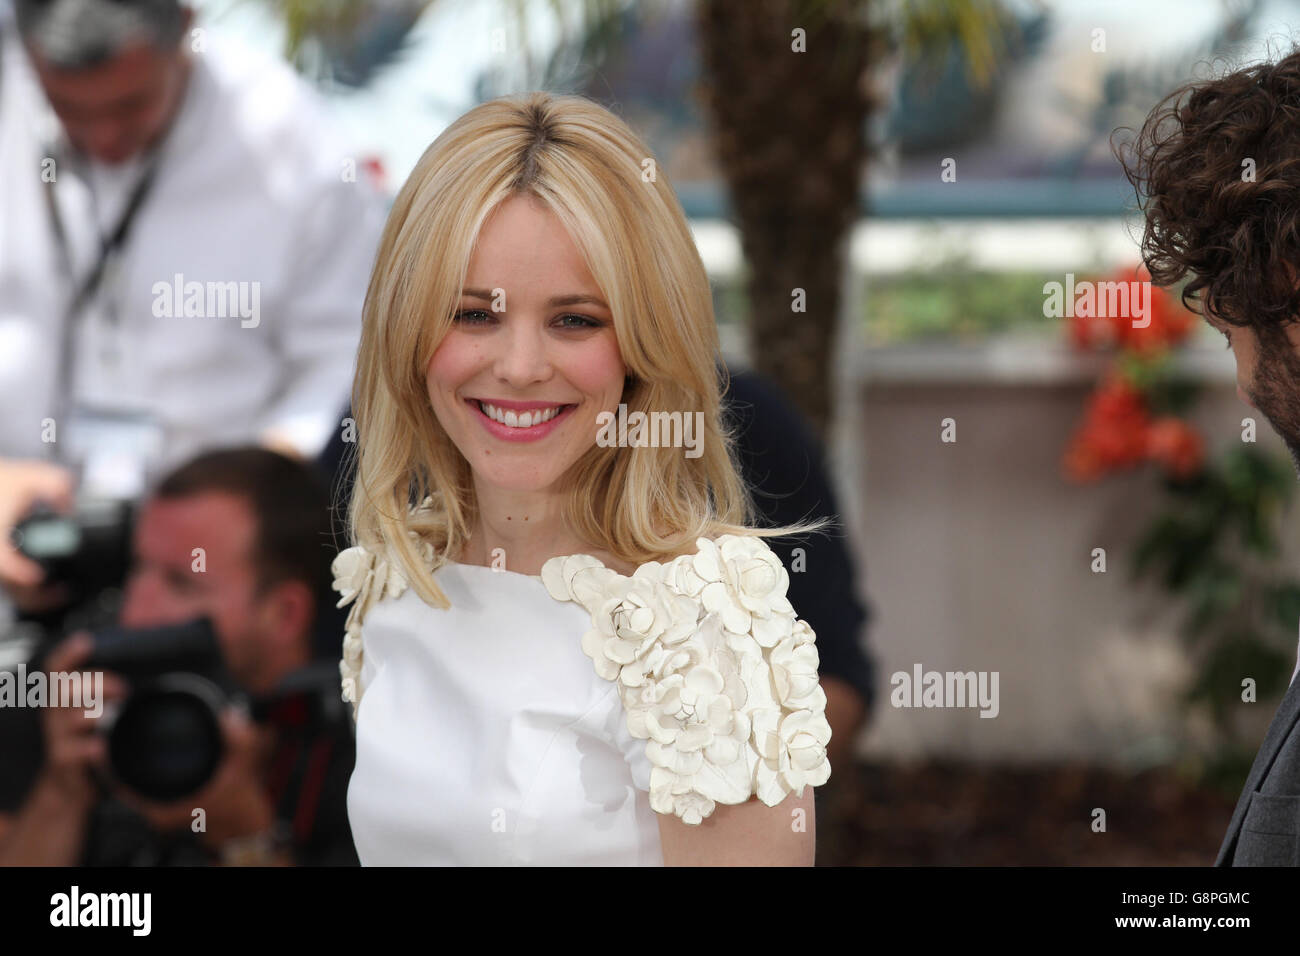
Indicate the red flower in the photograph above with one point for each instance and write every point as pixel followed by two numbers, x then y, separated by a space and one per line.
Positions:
pixel 1117 429
pixel 1168 324
pixel 1176 446
pixel 1088 332
pixel 1118 432
pixel 1117 402
pixel 1164 322
pixel 1113 434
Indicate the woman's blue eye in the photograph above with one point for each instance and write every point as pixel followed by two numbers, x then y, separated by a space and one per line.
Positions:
pixel 479 316
pixel 587 323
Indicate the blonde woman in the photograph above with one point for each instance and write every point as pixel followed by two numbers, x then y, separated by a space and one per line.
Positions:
pixel 572 649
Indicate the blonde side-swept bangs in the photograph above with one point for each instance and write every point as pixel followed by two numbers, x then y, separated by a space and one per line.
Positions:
pixel 589 168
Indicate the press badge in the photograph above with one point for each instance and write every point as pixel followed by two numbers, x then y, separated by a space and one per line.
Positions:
pixel 113 449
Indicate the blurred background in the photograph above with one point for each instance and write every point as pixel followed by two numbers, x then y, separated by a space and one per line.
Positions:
pixel 1081 509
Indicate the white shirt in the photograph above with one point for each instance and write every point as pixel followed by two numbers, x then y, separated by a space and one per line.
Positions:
pixel 486 738
pixel 251 190
pixel 547 719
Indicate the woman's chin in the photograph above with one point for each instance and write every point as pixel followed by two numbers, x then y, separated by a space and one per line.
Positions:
pixel 513 481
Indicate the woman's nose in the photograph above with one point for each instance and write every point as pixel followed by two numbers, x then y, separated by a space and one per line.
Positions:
pixel 523 358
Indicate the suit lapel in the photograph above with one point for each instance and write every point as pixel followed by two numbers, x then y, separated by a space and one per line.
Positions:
pixel 1285 718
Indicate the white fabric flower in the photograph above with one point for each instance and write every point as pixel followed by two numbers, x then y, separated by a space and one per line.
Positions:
pixel 349 687
pixel 792 748
pixel 794 663
pixel 351 568
pixel 698 729
pixel 566 578
pixel 741 579
pixel 640 624
pixel 361 577
pixel 714 671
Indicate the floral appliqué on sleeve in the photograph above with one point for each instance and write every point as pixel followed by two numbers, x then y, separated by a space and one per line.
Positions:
pixel 363 577
pixel 715 671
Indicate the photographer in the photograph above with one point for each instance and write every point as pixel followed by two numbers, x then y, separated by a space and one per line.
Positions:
pixel 175 208
pixel 260 522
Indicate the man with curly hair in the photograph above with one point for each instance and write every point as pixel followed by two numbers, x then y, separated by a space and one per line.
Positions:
pixel 1216 167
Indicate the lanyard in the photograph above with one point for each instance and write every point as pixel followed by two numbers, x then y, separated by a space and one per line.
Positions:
pixel 110 247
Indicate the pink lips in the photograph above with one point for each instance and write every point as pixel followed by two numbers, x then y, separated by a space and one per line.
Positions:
pixel 532 433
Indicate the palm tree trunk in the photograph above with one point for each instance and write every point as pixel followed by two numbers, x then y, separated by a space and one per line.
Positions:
pixel 790 135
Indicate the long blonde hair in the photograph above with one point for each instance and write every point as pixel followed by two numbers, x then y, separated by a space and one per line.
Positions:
pixel 591 170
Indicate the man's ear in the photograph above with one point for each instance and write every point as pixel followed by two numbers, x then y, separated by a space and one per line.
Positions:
pixel 288 611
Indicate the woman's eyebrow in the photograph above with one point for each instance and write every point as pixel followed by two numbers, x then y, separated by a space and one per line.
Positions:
pixel 558 301
pixel 577 299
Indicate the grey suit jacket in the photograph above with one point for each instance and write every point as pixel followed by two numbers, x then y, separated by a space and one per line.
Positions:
pixel 1265 827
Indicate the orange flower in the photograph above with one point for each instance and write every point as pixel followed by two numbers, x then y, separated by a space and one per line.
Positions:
pixel 1117 429
pixel 1117 402
pixel 1168 323
pixel 1088 332
pixel 1176 446
pixel 1113 434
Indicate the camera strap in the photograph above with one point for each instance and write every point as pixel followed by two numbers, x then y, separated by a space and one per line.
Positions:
pixel 109 244
pixel 109 248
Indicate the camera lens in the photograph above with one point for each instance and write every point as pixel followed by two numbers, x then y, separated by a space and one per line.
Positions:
pixel 166 742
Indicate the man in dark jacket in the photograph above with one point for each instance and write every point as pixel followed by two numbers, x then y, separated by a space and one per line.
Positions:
pixel 1216 167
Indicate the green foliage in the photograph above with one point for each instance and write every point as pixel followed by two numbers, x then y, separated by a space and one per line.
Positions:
pixel 953 302
pixel 1166 394
pixel 1215 549
pixel 980 27
pixel 1239 655
pixel 1226 769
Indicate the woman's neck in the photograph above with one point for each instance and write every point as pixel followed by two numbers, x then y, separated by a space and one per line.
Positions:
pixel 518 532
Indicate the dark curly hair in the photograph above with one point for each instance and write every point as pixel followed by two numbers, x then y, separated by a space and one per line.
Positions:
pixel 1238 239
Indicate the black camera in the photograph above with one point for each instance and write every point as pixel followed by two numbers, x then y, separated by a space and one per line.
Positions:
pixel 165 740
pixel 87 551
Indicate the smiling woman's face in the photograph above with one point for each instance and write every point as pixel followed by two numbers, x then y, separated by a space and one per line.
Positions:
pixel 549 357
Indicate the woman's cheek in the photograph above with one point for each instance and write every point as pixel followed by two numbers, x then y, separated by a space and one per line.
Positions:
pixel 603 371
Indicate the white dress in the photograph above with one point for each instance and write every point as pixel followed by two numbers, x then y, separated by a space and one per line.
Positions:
pixel 548 719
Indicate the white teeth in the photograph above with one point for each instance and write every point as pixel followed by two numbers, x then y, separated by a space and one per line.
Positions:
pixel 515 420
